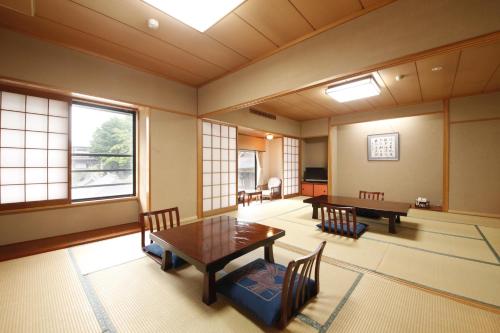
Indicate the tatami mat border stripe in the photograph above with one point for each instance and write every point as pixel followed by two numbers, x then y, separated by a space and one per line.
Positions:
pixel 488 243
pixel 97 307
pixel 417 248
pixel 355 268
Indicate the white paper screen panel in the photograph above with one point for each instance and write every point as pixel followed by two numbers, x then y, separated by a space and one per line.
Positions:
pixel 33 148
pixel 219 166
pixel 290 166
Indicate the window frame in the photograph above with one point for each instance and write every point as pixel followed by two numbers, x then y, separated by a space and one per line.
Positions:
pixel 254 166
pixel 132 112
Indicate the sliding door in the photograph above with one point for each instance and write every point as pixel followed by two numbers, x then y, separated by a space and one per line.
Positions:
pixel 218 168
pixel 291 166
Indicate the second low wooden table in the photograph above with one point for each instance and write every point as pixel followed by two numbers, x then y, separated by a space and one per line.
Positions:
pixel 211 244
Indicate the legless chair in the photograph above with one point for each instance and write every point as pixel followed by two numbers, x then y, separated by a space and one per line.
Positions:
pixel 256 287
pixel 271 190
pixel 340 221
pixel 154 250
pixel 369 196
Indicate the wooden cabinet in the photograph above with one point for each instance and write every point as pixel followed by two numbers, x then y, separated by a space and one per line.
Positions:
pixel 314 189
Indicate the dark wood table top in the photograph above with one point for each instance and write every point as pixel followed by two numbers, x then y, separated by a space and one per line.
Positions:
pixel 378 205
pixel 215 240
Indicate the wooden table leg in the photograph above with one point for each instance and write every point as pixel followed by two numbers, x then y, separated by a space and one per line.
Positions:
pixel 209 294
pixel 166 261
pixel 261 198
pixel 315 211
pixel 268 253
pixel 392 223
pixel 398 219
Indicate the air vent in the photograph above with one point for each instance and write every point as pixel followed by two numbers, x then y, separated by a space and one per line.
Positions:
pixel 263 114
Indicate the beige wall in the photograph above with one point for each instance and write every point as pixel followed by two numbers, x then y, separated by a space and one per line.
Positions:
pixel 53 222
pixel 314 153
pixel 275 149
pixel 32 60
pixel 244 118
pixel 401 28
pixel 251 142
pixel 314 128
pixel 475 154
pixel 417 173
pixel 173 162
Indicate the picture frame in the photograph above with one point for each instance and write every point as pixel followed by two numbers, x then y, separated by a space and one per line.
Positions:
pixel 383 147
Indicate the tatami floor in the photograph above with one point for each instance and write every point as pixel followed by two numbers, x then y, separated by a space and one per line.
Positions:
pixel 439 273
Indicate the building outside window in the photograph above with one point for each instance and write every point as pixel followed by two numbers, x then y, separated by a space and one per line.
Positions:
pixel 247 170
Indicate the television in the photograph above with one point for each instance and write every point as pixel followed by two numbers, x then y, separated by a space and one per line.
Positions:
pixel 316 175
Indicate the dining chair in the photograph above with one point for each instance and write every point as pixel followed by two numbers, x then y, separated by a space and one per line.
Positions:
pixel 369 196
pixel 271 292
pixel 156 221
pixel 241 197
pixel 340 221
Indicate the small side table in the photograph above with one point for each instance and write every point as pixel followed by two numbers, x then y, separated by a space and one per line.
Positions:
pixel 253 195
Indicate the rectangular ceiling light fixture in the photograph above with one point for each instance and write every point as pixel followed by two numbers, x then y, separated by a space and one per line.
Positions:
pixel 199 14
pixel 354 90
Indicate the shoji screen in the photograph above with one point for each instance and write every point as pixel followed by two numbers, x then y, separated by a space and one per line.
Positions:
pixel 219 166
pixel 33 149
pixel 290 166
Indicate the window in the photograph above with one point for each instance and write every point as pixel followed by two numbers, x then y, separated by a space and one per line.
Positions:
pixel 33 150
pixel 103 152
pixel 219 166
pixel 247 170
pixel 290 166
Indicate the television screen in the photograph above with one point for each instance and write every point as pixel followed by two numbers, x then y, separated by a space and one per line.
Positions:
pixel 316 175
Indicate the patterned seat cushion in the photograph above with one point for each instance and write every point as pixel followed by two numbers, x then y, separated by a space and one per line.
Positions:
pixel 257 287
pixel 360 228
pixel 157 251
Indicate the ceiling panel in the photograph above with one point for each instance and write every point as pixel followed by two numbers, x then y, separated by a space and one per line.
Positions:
pixel 66 36
pixel 309 107
pixel 476 67
pixel 494 82
pixel 371 3
pixel 278 20
pixel 240 36
pixel 437 84
pixel 136 13
pixel 21 6
pixel 323 12
pixel 406 90
pixel 98 25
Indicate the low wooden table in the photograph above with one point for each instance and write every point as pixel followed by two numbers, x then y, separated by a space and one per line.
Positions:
pixel 253 194
pixel 392 210
pixel 211 244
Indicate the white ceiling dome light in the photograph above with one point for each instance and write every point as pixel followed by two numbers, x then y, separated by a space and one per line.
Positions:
pixel 153 24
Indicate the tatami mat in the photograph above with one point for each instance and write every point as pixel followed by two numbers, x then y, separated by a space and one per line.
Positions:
pixel 466 278
pixel 377 305
pixel 449 228
pixel 43 293
pixel 99 255
pixel 492 235
pixel 456 218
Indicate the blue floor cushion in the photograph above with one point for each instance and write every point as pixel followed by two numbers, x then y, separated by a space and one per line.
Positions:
pixel 256 287
pixel 360 228
pixel 157 251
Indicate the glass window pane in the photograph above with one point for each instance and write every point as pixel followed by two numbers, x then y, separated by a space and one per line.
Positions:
pixel 36 140
pixel 224 131
pixel 207 128
pixel 207 192
pixel 11 101
pixel 36 122
pixel 207 205
pixel 36 158
pixel 12 138
pixel 246 170
pixel 37 192
pixel 232 132
pixel 36 175
pixel 12 120
pixel 58 108
pixel 224 201
pixel 207 166
pixel 102 152
pixel 216 203
pixel 11 157
pixel 11 193
pixel 10 176
pixel 37 105
pixel 215 129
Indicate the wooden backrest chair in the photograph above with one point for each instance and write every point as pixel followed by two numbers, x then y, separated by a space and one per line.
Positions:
pixel 371 195
pixel 340 221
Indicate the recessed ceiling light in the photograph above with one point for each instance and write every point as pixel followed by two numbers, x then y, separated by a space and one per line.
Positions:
pixel 153 24
pixel 269 137
pixel 199 14
pixel 437 68
pixel 354 90
pixel 399 77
